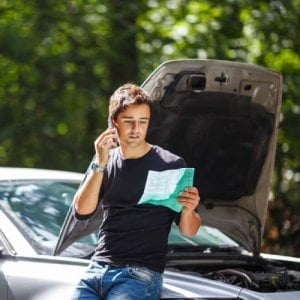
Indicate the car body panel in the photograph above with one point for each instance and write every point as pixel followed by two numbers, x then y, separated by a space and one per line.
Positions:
pixel 38 278
pixel 25 280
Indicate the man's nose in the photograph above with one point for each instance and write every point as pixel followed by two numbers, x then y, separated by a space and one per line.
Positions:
pixel 135 126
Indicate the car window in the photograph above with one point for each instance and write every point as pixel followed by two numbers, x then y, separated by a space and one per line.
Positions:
pixel 38 208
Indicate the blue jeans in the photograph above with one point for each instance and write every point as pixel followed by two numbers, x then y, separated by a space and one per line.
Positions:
pixel 103 281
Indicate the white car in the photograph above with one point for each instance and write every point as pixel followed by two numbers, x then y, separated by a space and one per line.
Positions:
pixel 222 117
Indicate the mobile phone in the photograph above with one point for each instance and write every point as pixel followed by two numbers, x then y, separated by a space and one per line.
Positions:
pixel 110 124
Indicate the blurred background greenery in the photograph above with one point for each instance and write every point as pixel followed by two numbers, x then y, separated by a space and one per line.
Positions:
pixel 61 60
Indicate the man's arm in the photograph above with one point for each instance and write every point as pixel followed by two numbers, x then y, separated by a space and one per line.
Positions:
pixel 190 220
pixel 86 198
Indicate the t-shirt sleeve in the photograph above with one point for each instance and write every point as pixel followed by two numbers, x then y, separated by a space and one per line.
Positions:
pixel 181 163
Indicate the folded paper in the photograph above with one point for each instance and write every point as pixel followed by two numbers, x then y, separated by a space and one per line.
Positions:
pixel 163 187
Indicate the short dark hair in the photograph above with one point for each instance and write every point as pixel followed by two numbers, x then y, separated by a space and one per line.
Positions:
pixel 125 95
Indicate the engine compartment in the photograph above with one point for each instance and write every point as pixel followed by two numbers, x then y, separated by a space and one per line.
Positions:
pixel 285 280
pixel 259 275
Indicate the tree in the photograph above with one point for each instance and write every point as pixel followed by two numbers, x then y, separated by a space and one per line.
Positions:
pixel 60 62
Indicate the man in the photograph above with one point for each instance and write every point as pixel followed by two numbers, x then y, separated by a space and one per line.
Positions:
pixel 130 256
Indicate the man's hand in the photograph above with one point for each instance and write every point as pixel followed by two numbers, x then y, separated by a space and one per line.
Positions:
pixel 189 198
pixel 190 220
pixel 106 141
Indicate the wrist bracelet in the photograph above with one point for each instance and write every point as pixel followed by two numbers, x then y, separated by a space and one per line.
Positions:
pixel 97 168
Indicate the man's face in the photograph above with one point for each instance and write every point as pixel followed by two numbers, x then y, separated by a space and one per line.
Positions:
pixel 132 125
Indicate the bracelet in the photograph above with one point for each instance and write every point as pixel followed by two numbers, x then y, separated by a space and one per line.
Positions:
pixel 97 168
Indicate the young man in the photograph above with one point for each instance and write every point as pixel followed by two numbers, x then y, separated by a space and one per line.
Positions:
pixel 130 256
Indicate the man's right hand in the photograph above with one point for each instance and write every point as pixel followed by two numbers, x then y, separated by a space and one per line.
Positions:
pixel 106 141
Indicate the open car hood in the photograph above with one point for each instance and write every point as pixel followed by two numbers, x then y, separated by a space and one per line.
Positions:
pixel 222 118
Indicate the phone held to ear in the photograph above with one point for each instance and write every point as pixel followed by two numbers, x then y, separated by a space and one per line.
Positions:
pixel 110 122
pixel 111 125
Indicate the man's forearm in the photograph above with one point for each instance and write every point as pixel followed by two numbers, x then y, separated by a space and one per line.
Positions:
pixel 190 222
pixel 86 198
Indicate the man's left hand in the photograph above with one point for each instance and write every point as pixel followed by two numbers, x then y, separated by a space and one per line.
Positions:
pixel 189 198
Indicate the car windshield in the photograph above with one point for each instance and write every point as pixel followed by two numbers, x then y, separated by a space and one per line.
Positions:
pixel 38 208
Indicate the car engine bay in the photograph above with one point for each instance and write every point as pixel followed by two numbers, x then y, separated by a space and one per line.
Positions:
pixel 258 281
pixel 260 275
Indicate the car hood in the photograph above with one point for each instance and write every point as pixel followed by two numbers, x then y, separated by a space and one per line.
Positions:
pixel 222 118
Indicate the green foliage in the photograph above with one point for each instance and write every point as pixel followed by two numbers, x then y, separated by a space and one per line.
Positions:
pixel 55 82
pixel 60 61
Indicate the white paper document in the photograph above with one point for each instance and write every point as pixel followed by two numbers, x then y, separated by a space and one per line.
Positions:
pixel 163 188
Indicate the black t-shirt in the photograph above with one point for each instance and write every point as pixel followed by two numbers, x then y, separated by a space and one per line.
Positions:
pixel 131 233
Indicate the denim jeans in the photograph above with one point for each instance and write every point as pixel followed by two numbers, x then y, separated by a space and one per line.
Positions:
pixel 103 281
